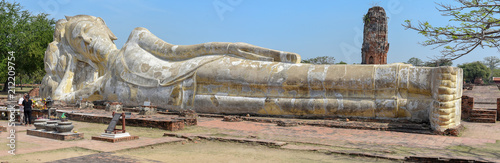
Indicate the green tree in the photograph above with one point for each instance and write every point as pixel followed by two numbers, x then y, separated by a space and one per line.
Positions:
pixel 27 35
pixel 495 73
pixel 476 24
pixel 437 63
pixel 342 63
pixel 320 60
pixel 475 70
pixel 415 62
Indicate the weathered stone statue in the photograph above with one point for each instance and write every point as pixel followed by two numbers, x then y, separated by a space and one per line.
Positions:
pixel 219 77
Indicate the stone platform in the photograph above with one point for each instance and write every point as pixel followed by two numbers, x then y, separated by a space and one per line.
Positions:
pixel 114 140
pixel 166 124
pixel 55 135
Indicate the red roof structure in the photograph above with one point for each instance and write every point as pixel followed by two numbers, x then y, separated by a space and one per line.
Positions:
pixel 496 79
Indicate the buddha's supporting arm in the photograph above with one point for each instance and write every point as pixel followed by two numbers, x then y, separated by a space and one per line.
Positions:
pixel 162 49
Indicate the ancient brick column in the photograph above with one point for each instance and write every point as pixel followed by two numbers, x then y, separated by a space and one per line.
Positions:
pixel 467 105
pixel 375 45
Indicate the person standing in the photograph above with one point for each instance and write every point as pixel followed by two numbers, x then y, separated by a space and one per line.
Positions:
pixel 21 109
pixel 28 104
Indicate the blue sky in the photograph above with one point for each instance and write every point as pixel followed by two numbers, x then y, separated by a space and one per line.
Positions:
pixel 309 28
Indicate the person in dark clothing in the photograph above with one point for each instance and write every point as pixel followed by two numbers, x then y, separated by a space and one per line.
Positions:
pixel 27 103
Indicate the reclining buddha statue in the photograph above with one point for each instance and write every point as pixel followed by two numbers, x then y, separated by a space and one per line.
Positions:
pixel 239 78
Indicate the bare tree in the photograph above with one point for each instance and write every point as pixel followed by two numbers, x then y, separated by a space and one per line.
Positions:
pixel 492 62
pixel 479 26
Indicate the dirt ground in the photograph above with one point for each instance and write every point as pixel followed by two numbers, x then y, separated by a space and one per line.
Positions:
pixel 185 151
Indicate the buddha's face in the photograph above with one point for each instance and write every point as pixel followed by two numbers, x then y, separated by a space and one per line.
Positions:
pixel 90 37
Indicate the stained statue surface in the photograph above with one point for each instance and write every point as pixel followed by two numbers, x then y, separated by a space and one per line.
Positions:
pixel 218 77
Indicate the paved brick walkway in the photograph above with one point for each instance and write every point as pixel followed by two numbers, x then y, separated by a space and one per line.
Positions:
pixel 339 136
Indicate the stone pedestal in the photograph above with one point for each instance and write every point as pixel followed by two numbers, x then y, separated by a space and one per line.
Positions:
pixel 148 110
pixel 109 137
pixel 55 135
pixel 114 107
pixel 40 124
pixel 64 127
pixel 50 125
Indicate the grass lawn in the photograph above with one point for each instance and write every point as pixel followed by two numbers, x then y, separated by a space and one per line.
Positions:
pixel 46 156
pixel 488 150
pixel 212 151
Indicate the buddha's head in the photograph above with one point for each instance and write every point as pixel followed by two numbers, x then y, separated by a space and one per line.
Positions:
pixel 87 35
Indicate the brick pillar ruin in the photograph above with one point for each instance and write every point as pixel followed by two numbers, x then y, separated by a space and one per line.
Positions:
pixel 467 106
pixel 375 45
pixel 498 109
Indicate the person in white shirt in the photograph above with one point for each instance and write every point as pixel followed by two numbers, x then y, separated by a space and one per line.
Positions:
pixel 21 109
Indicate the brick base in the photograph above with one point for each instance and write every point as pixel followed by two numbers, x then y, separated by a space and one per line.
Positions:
pixel 57 136
pixel 483 116
pixel 171 125
pixel 188 122
pixel 114 140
